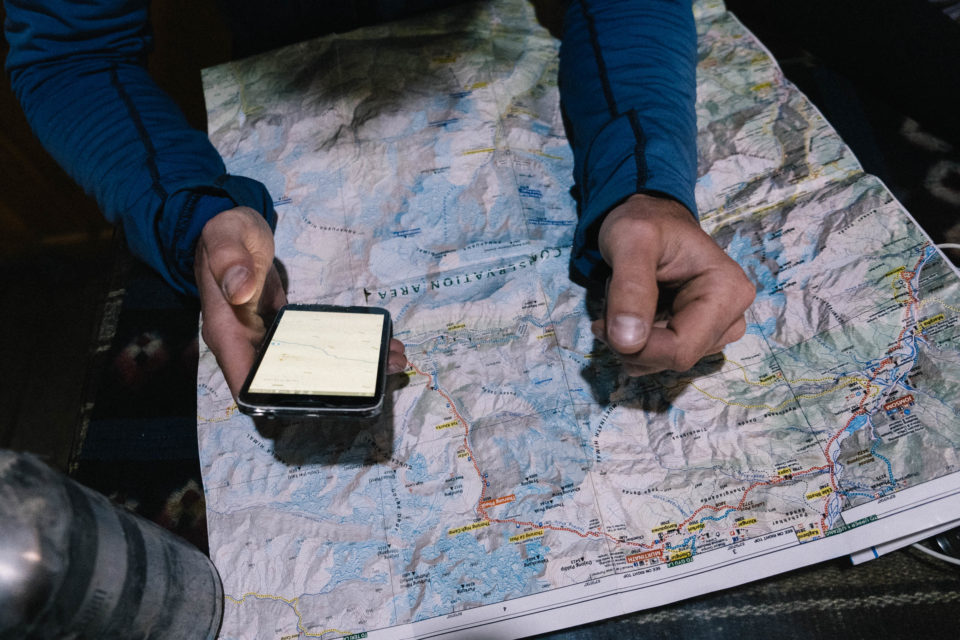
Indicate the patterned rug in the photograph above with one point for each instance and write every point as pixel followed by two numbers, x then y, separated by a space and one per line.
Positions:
pixel 138 443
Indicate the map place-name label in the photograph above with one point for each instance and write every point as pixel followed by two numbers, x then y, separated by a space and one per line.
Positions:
pixel 529 535
pixel 894 272
pixel 669 526
pixel 680 558
pixel 929 322
pixel 851 525
pixel 899 403
pixel 656 554
pixel 819 493
pixel 695 526
pixel 494 502
pixel 806 535
pixel 469 527
pixel 447 425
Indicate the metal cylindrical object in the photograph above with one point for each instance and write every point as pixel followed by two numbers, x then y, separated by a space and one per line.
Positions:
pixel 72 565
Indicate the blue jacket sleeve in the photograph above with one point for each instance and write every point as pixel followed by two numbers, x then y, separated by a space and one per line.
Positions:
pixel 628 91
pixel 78 70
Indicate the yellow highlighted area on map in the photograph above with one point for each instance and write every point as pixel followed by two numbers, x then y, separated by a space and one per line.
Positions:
pixel 894 272
pixel 469 527
pixel 819 493
pixel 806 535
pixel 529 535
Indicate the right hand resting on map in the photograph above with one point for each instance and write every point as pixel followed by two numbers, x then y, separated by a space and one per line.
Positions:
pixel 653 244
pixel 239 285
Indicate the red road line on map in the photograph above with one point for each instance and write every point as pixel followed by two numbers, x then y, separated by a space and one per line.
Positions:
pixel 466 444
pixel 906 276
pixel 482 510
pixel 831 465
pixel 743 498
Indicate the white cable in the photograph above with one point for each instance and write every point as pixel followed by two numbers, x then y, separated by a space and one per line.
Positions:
pixel 936 554
pixel 948 245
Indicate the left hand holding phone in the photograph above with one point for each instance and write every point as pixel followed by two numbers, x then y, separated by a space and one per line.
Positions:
pixel 239 285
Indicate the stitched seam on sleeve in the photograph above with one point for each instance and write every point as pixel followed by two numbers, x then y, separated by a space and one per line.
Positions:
pixel 183 221
pixel 142 132
pixel 167 254
pixel 638 149
pixel 598 57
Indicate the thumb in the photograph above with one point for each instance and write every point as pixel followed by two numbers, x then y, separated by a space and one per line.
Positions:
pixel 234 255
pixel 236 276
pixel 631 299
pixel 631 304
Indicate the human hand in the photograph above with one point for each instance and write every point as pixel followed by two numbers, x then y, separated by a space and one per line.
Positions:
pixel 240 286
pixel 652 245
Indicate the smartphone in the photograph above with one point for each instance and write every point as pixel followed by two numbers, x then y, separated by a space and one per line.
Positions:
pixel 320 360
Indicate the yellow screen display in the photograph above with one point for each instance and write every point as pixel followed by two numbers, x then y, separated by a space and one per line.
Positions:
pixel 322 353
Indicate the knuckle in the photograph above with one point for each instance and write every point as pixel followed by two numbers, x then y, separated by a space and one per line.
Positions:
pixel 748 292
pixel 742 291
pixel 685 359
pixel 739 332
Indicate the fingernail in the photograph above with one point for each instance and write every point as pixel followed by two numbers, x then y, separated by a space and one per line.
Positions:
pixel 233 279
pixel 627 329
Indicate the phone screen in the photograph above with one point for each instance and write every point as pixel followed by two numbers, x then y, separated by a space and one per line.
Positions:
pixel 322 353
pixel 320 359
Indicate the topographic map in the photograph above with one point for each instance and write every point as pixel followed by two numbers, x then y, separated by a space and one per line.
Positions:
pixel 516 481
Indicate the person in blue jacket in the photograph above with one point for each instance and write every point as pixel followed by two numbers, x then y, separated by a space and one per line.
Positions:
pixel 627 84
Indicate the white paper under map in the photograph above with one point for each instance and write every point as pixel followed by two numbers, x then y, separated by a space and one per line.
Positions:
pixel 516 481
